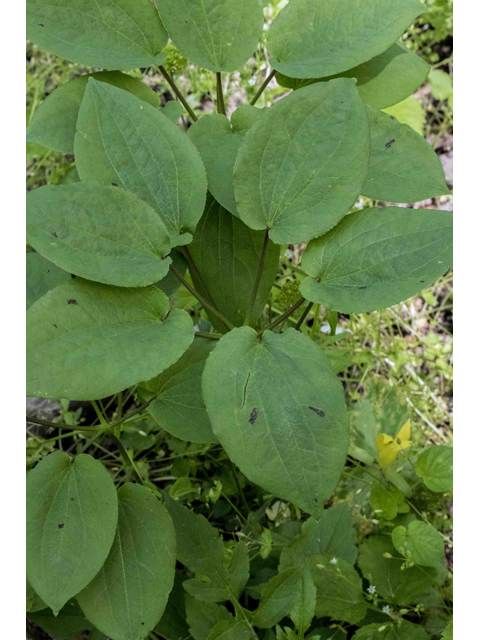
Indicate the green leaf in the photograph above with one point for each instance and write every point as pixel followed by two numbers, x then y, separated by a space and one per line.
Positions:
pixel 110 34
pixel 281 178
pixel 304 609
pixel 129 594
pixel 382 81
pixel 339 590
pixel 376 258
pixel 279 596
pixel 232 631
pixel 218 144
pixel 42 275
pixel 403 166
pixel 219 35
pixel 71 520
pixel 55 121
pixel 318 38
pixel 67 625
pixel 279 413
pixel 441 84
pixel 435 467
pixel 173 623
pixel 203 616
pixel 201 549
pixel 390 631
pixel 227 252
pixel 104 234
pixel 393 582
pixel 421 543
pixel 87 341
pixel 409 111
pixel 173 110
pixel 386 500
pixel 171 283
pixel 179 407
pixel 125 141
pixel 33 601
pixel 448 631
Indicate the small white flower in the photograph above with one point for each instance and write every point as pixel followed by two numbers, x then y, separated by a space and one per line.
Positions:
pixel 371 589
pixel 333 561
pixel 386 609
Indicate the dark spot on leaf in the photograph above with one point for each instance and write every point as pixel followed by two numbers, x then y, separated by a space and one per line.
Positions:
pixel 72 301
pixel 55 326
pixel 422 281
pixel 317 411
pixel 253 416
pixel 72 499
pixel 389 143
pixel 73 275
pixel 41 25
pixel 54 234
pixel 114 184
pixel 48 270
pixel 362 287
pixel 315 499
pixel 143 623
pixel 60 526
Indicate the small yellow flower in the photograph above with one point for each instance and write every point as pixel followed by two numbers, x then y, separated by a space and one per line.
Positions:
pixel 389 447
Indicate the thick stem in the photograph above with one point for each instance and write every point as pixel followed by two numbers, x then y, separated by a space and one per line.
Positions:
pixel 265 84
pixel 220 100
pixel 256 284
pixel 177 92
pixel 284 316
pixel 200 298
pixel 304 315
pixel 210 336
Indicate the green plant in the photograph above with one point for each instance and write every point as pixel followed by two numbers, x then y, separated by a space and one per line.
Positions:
pixel 153 289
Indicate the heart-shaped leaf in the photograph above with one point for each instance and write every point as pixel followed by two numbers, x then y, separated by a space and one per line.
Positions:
pixel 88 341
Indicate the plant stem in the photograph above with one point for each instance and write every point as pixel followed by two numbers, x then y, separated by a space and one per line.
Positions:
pixel 220 100
pixel 283 317
pixel 126 457
pixel 177 92
pixel 304 315
pixel 210 336
pixel 256 284
pixel 200 298
pixel 264 86
pixel 193 268
pixel 239 488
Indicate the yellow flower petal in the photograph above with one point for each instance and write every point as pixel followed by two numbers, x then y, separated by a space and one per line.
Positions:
pixel 383 440
pixel 404 433
pixel 387 456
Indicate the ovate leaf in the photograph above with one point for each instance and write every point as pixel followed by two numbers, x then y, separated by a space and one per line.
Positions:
pixel 124 141
pixel 403 166
pixel 382 81
pixel 279 596
pixel 318 38
pixel 421 543
pixel 226 251
pixel 178 407
pixel 435 467
pixel 110 34
pixel 339 590
pixel 302 165
pixel 219 35
pixel 386 500
pixel 87 341
pixel 129 594
pixel 104 234
pixel 42 275
pixel 71 522
pixel 304 609
pixel 279 413
pixel 376 258
pixel 55 121
pixel 386 573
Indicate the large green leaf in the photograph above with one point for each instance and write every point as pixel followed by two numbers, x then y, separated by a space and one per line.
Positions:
pixel 420 543
pixel 391 631
pixel 382 81
pixel 129 594
pixel 55 121
pixel 339 590
pixel 279 413
pixel 403 166
pixel 219 35
pixel 227 254
pixel 71 521
pixel 87 341
pixel 377 257
pixel 122 140
pixel 218 143
pixel 435 467
pixel 201 549
pixel 279 596
pixel 302 165
pixel 318 38
pixel 110 34
pixel 179 407
pixel 386 573
pixel 104 234
pixel 42 275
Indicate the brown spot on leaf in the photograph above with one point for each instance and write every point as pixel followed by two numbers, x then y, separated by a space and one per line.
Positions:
pixel 72 301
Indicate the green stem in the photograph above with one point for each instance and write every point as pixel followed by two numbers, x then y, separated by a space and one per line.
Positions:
pixel 210 336
pixel 283 317
pixel 126 457
pixel 200 298
pixel 194 270
pixel 304 315
pixel 220 100
pixel 263 86
pixel 177 92
pixel 256 284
